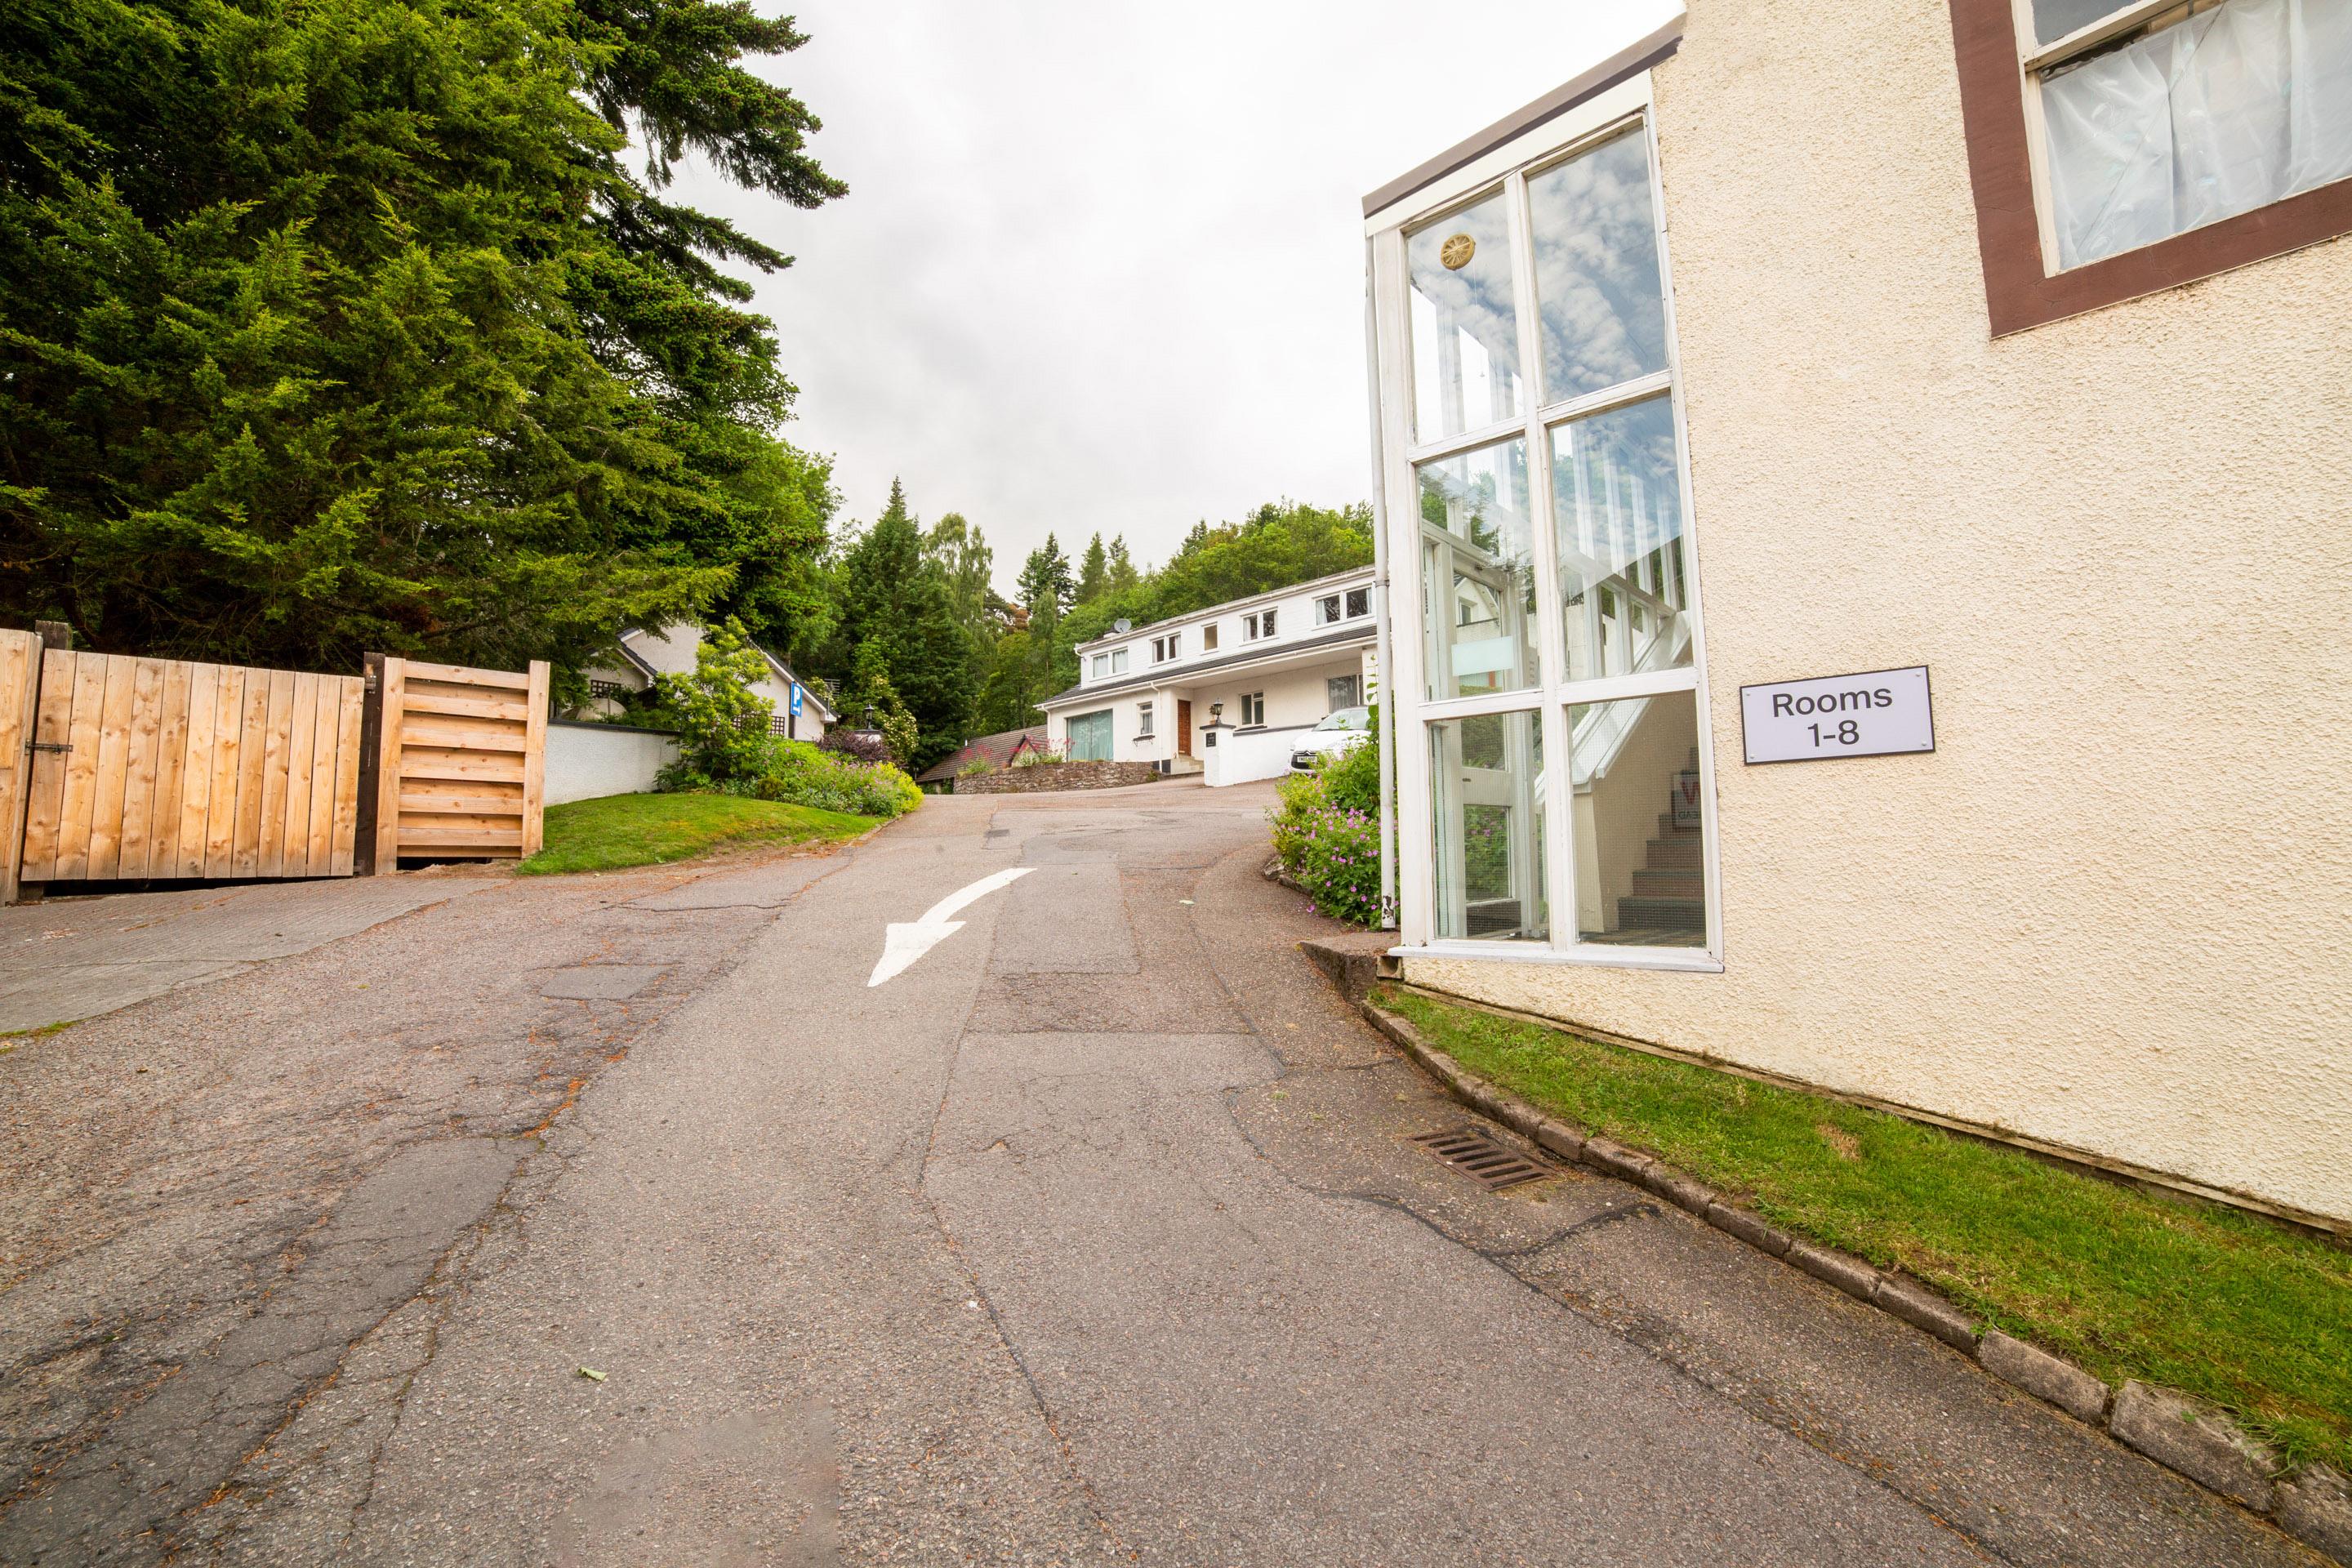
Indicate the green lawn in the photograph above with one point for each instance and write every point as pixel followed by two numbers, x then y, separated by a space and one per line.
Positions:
pixel 654 829
pixel 2253 1315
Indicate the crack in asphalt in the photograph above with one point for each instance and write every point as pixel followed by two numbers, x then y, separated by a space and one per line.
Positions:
pixel 285 1453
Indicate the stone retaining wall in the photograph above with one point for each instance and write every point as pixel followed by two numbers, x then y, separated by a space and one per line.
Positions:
pixel 1057 775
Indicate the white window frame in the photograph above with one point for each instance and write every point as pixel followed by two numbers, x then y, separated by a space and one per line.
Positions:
pixel 1252 705
pixel 1334 602
pixel 1209 637
pixel 1143 721
pixel 2033 59
pixel 1347 597
pixel 1258 626
pixel 1118 661
pixel 1626 108
pixel 1101 667
pixel 1169 648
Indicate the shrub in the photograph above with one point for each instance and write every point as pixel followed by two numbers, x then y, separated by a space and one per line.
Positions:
pixel 865 746
pixel 1327 832
pixel 1352 779
pixel 724 746
pixel 722 727
pixel 879 699
pixel 804 775
pixel 974 768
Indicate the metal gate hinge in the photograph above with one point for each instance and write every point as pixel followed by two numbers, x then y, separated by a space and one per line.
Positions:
pixel 49 746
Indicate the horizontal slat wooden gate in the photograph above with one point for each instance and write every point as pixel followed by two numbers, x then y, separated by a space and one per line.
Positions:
pixel 154 768
pixel 460 774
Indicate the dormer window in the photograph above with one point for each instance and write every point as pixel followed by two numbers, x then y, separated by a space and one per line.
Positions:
pixel 1118 661
pixel 1258 626
pixel 1102 665
pixel 1209 637
pixel 1166 647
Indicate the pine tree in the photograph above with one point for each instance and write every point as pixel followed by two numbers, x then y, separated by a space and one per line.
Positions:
pixel 1123 576
pixel 1046 588
pixel 891 599
pixel 1094 574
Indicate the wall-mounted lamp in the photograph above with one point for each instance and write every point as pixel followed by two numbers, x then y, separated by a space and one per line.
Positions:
pixel 1216 710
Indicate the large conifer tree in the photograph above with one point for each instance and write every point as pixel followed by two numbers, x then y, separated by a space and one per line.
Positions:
pixel 337 324
pixel 891 597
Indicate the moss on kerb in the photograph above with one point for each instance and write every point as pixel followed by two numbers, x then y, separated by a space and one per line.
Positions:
pixel 2252 1316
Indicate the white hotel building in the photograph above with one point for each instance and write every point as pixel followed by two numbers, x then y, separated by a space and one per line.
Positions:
pixel 1224 691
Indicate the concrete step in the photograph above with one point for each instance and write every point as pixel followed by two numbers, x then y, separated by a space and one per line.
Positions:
pixel 1678 853
pixel 1681 913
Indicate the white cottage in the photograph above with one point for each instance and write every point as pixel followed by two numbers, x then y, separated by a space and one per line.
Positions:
pixel 1225 691
pixel 800 713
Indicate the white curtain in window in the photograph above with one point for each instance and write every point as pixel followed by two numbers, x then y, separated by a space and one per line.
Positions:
pixel 2229 111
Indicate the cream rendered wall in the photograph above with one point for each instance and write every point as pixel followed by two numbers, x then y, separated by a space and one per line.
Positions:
pixel 1294 698
pixel 2114 910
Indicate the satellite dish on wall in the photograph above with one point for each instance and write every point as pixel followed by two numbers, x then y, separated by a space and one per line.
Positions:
pixel 1123 626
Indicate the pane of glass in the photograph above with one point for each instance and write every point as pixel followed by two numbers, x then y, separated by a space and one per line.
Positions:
pixel 1465 332
pixel 1488 791
pixel 2231 110
pixel 1090 737
pixel 1604 313
pixel 1617 508
pixel 2053 19
pixel 1640 878
pixel 1478 581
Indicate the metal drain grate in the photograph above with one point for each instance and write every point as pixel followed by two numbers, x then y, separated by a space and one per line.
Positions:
pixel 1480 1158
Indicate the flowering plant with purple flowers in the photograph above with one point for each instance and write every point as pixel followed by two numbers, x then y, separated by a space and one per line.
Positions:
pixel 1327 832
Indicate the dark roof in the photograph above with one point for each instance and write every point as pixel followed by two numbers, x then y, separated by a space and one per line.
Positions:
pixel 996 749
pixel 1363 631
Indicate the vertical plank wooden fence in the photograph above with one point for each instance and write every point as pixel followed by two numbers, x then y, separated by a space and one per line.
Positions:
pixel 153 768
pixel 20 686
pixel 459 769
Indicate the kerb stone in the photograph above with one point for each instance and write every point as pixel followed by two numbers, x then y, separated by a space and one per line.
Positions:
pixel 1679 1189
pixel 2043 1375
pixel 1613 1159
pixel 1850 1275
pixel 2316 1508
pixel 1748 1228
pixel 1924 1309
pixel 2195 1439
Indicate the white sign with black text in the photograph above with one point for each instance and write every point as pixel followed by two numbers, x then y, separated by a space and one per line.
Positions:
pixel 1882 713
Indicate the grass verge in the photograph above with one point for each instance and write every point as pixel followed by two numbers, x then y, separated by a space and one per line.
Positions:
pixel 2254 1316
pixel 652 829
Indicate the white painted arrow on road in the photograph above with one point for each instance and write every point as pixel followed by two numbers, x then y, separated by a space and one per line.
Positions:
pixel 905 943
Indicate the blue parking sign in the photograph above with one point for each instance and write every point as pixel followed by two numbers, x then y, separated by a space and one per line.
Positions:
pixel 796 699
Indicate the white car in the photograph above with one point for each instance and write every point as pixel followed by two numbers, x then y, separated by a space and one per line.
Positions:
pixel 1335 734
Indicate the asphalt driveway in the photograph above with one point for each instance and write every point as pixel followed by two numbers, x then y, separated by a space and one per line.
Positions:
pixel 1096 1234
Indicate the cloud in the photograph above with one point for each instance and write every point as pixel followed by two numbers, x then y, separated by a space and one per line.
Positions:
pixel 1101 267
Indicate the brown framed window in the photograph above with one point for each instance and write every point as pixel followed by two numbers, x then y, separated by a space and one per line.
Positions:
pixel 2119 147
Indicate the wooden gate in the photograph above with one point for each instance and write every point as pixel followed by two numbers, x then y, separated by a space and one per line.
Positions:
pixel 159 768
pixel 460 773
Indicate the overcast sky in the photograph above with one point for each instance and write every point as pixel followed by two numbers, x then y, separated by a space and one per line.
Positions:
pixel 1101 265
